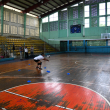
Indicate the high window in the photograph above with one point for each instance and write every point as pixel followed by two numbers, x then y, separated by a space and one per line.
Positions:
pixel 108 7
pixel 101 21
pixel 86 11
pixel 108 20
pixel 53 17
pixel 44 20
pixel 102 9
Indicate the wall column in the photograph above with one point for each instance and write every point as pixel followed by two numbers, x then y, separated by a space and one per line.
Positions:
pixel 67 22
pixel 2 17
pixel 83 19
pixel 24 24
pixel 68 45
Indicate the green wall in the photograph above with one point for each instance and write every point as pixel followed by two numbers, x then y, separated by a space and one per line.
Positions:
pixel 74 16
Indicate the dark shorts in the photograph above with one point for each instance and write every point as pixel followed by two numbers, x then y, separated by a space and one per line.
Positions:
pixel 36 60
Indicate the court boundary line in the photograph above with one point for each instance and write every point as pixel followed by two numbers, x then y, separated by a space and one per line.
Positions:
pixel 63 83
pixel 33 99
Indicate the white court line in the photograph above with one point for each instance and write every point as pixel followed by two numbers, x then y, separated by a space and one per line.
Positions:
pixel 21 77
pixel 3 109
pixel 64 107
pixel 63 83
pixel 20 95
pixel 33 99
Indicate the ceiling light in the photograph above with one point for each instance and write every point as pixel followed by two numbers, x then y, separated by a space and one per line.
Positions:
pixel 74 5
pixel 12 8
pixel 80 2
pixel 64 9
pixel 31 15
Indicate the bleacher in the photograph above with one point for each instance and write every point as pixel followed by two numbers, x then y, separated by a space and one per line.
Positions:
pixel 3 41
pixel 39 45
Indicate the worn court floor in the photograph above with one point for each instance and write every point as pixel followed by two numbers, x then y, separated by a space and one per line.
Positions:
pixel 76 81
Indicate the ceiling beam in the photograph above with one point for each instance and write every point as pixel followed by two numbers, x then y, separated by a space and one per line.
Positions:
pixel 39 10
pixel 13 6
pixel 64 6
pixel 34 7
pixel 48 7
pixel 55 2
pixel 17 5
pixel 39 7
pixel 61 1
pixel 43 9
pixel 22 3
pixel 3 2
pixel 29 1
pixel 36 12
pixel 67 1
pixel 51 5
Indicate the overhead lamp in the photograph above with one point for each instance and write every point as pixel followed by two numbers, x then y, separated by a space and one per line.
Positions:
pixel 74 5
pixel 11 8
pixel 64 9
pixel 80 2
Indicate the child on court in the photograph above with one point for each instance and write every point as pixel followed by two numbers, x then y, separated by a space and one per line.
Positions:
pixel 37 60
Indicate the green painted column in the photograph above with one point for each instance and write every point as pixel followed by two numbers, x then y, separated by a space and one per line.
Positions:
pixel 40 30
pixel 106 27
pixel 39 27
pixel 83 19
pixel 67 21
pixel 24 24
pixel 90 16
pixel 48 27
pixel 2 17
pixel 58 24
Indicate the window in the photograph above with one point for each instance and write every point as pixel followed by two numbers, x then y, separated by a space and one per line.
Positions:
pixel 108 20
pixel 53 17
pixel 102 9
pixel 108 7
pixel 102 21
pixel 86 11
pixel 44 20
pixel 86 23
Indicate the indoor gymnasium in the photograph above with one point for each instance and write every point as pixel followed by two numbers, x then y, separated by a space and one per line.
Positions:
pixel 54 54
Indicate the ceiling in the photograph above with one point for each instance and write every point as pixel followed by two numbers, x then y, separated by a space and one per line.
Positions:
pixel 40 8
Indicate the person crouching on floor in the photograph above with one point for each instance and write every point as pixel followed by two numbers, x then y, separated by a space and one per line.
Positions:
pixel 37 60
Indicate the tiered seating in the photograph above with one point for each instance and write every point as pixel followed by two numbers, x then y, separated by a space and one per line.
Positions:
pixel 2 43
pixel 39 45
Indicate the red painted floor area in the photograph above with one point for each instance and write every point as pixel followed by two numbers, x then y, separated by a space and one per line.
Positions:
pixel 52 96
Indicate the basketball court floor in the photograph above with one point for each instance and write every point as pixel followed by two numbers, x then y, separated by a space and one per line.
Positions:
pixel 69 81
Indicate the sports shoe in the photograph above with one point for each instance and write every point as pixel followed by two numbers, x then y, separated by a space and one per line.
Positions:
pixel 40 68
